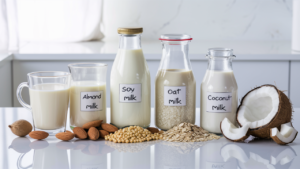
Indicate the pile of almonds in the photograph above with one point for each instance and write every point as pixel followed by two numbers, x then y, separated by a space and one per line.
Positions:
pixel 92 130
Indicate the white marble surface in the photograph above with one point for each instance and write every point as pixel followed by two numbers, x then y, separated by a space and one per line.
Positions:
pixel 257 20
pixel 16 152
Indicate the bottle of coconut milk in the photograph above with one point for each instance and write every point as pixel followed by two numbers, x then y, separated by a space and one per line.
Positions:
pixel 130 88
pixel 175 86
pixel 219 90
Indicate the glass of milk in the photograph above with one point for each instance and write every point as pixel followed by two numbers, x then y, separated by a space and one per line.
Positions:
pixel 87 93
pixel 130 83
pixel 175 86
pixel 49 99
pixel 219 90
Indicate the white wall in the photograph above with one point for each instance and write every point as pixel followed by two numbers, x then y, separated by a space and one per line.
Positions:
pixel 203 19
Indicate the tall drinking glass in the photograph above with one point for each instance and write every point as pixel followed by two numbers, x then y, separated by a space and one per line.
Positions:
pixel 49 99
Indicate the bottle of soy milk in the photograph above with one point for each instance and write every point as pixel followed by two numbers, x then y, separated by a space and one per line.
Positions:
pixel 219 90
pixel 175 86
pixel 130 88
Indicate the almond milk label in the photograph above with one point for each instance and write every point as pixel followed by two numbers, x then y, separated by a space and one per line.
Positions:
pixel 130 93
pixel 218 102
pixel 91 101
pixel 174 95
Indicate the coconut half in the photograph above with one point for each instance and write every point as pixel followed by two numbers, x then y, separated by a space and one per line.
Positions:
pixel 264 107
pixel 231 132
pixel 286 135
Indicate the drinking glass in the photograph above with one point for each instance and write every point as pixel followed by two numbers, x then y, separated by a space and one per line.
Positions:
pixel 87 93
pixel 49 99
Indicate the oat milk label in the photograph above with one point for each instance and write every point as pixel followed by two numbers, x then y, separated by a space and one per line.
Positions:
pixel 130 93
pixel 218 102
pixel 91 101
pixel 174 96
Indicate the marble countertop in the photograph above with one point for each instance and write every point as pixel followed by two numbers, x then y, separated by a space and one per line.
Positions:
pixel 24 152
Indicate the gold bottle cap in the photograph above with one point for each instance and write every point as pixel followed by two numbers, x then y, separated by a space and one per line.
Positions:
pixel 130 31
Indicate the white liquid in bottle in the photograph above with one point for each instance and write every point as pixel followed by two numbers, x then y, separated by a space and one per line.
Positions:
pixel 219 90
pixel 218 99
pixel 130 89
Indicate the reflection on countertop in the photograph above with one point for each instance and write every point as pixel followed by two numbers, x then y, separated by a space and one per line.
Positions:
pixel 221 153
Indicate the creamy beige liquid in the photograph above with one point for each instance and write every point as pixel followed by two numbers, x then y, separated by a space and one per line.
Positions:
pixel 168 116
pixel 217 81
pixel 49 104
pixel 130 67
pixel 79 117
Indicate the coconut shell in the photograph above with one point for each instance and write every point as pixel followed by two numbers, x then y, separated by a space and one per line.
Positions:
pixel 278 141
pixel 284 115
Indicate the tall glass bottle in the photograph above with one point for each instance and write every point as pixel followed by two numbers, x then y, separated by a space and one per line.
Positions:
pixel 175 86
pixel 219 90
pixel 130 87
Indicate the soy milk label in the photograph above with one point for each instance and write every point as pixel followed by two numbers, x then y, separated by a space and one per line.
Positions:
pixel 218 102
pixel 174 95
pixel 91 101
pixel 130 93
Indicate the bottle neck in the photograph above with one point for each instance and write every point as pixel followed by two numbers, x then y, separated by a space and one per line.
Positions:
pixel 220 63
pixel 130 41
pixel 175 55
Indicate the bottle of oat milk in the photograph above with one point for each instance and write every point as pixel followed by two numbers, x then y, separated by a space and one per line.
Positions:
pixel 130 88
pixel 175 86
pixel 219 90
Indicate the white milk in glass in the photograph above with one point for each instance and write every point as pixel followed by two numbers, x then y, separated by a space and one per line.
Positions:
pixel 49 104
pixel 88 102
pixel 130 89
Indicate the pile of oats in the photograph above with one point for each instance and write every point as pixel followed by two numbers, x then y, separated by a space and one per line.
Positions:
pixel 187 132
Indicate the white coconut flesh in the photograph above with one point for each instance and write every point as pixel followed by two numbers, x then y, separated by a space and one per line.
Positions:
pixel 259 107
pixel 231 132
pixel 286 134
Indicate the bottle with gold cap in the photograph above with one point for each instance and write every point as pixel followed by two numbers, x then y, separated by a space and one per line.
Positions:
pixel 130 86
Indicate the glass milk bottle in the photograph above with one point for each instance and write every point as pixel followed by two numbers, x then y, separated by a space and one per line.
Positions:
pixel 219 90
pixel 87 93
pixel 175 86
pixel 130 88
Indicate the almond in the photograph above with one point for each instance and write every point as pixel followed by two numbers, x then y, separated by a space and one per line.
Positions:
pixel 90 124
pixel 153 130
pixel 93 133
pixel 103 133
pixel 80 133
pixel 109 128
pixel 39 135
pixel 65 136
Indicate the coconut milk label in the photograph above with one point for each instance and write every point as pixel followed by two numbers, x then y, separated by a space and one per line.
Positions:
pixel 130 93
pixel 91 101
pixel 218 102
pixel 174 95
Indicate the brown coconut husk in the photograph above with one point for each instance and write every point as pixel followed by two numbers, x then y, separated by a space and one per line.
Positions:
pixel 284 115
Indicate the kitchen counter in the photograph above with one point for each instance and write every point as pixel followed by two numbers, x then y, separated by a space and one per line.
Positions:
pixel 106 50
pixel 24 152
